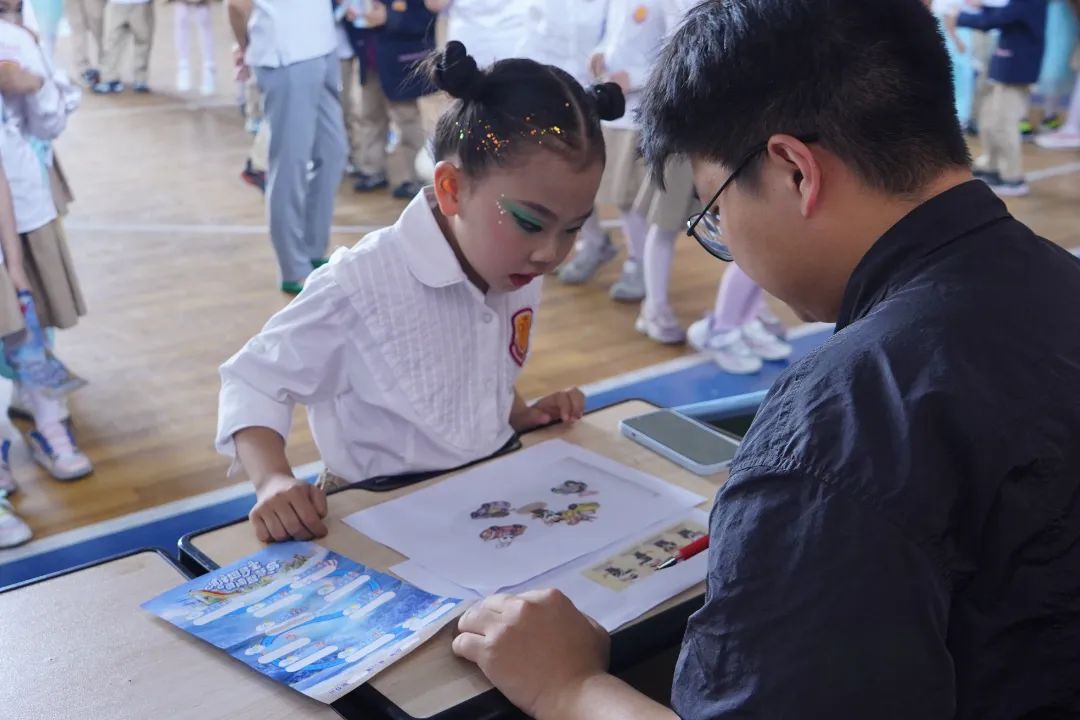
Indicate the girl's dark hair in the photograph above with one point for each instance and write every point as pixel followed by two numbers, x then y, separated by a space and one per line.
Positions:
pixel 515 105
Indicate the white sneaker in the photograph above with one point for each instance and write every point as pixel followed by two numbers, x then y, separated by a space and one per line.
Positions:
pixel 586 261
pixel 183 79
pixel 763 343
pixel 53 448
pixel 7 480
pixel 1059 140
pixel 661 326
pixel 630 287
pixel 728 349
pixel 20 408
pixel 13 531
pixel 208 86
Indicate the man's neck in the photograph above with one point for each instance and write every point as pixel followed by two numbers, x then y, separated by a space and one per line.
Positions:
pixel 871 216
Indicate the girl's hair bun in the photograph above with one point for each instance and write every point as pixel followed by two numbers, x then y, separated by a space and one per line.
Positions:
pixel 609 99
pixel 456 72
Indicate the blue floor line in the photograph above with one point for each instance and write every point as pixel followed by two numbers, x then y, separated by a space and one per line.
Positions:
pixel 698 383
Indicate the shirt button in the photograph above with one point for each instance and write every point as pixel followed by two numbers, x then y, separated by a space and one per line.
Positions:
pixel 488 317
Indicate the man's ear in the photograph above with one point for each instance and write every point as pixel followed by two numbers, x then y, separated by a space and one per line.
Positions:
pixel 804 171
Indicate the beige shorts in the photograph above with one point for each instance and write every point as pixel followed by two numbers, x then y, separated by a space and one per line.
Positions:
pixel 668 208
pixel 625 170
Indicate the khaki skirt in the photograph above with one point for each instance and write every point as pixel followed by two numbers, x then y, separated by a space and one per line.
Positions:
pixel 625 170
pixel 51 272
pixel 669 208
pixel 61 190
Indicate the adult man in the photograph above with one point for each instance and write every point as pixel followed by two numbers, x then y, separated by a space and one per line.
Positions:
pixel 900 535
pixel 292 45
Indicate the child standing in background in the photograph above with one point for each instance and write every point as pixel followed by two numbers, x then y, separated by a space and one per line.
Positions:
pixel 406 348
pixel 350 82
pixel 633 33
pixel 127 20
pixel 1013 69
pixel 397 35
pixel 35 108
pixel 491 29
pixel 187 12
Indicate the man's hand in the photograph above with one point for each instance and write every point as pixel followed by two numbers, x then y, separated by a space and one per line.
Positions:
pixel 536 648
pixel 566 405
pixel 288 509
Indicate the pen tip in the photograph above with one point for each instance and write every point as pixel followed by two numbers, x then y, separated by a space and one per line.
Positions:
pixel 667 563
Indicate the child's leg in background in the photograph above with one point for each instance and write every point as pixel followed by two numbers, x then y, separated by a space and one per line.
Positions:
pixel 989 119
pixel 405 115
pixel 1011 106
pixel 116 36
pixel 1056 75
pixel 963 77
pixel 737 301
pixel 206 46
pixel 142 33
pixel 373 127
pixel 87 18
pixel 350 96
pixel 181 33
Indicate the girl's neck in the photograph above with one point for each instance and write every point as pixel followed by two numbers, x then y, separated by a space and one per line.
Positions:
pixel 451 239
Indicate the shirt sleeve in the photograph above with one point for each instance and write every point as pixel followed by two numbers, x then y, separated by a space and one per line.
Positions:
pixel 997 18
pixel 818 606
pixel 298 358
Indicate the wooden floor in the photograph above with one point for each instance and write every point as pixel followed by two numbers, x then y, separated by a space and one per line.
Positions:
pixel 178 273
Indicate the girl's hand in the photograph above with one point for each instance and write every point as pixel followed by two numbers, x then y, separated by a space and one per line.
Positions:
pixel 288 509
pixel 18 277
pixel 567 406
pixel 377 16
pixel 17 80
pixel 596 65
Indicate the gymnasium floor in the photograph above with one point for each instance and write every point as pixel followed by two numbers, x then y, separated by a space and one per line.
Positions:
pixel 178 272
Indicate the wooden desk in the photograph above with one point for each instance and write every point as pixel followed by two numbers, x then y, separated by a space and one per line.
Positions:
pixel 432 681
pixel 78 645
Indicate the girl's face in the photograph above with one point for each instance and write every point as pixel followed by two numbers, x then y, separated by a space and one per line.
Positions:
pixel 516 223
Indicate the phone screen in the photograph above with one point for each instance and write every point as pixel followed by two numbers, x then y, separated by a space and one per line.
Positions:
pixel 686 437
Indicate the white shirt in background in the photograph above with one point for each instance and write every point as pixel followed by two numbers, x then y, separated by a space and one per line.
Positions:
pixel 633 36
pixel 285 32
pixel 563 33
pixel 41 115
pixel 491 30
pixel 403 365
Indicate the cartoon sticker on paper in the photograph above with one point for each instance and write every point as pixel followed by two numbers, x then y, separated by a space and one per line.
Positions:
pixel 496 509
pixel 639 562
pixel 574 513
pixel 573 487
pixel 503 535
pixel 521 329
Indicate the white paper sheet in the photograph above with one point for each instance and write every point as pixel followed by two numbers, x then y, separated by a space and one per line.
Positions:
pixel 519 517
pixel 609 607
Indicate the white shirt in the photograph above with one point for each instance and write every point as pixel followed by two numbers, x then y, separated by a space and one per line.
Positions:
pixel 563 33
pixel 26 120
pixel 285 32
pixel 490 29
pixel 402 363
pixel 633 36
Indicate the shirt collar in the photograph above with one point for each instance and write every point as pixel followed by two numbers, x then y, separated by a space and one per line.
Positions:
pixel 428 254
pixel 934 224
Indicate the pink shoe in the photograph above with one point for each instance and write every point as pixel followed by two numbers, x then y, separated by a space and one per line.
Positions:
pixel 53 448
pixel 1059 140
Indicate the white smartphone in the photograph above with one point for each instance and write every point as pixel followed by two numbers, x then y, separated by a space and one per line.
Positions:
pixel 683 440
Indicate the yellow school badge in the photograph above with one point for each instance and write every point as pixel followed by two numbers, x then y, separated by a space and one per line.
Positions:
pixel 641 14
pixel 519 339
pixel 399 6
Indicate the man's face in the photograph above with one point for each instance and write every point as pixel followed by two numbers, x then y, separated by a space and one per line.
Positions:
pixel 765 228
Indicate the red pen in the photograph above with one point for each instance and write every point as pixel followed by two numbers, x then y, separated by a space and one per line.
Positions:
pixel 686 552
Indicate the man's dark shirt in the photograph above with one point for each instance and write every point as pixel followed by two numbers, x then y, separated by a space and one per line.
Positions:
pixel 900 535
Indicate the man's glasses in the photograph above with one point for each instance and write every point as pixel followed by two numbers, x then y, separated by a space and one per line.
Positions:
pixel 705 225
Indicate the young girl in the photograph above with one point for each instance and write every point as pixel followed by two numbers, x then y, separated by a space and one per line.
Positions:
pixel 35 108
pixel 186 12
pixel 405 349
